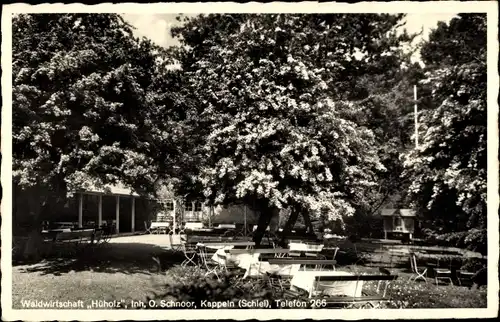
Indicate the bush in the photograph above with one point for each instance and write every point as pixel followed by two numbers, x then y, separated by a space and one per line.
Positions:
pixel 195 287
pixel 473 264
pixel 474 239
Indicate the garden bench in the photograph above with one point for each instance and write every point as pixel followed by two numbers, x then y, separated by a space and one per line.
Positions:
pixel 75 239
pixel 229 243
pixel 259 251
pixel 318 263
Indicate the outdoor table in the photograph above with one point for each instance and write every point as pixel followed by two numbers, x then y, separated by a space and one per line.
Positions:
pixel 65 224
pixel 221 247
pixel 52 233
pixel 226 226
pixel 260 268
pixel 260 251
pixel 248 260
pixel 159 225
pixel 229 243
pixel 224 256
pixel 305 247
pixel 306 281
pixel 193 225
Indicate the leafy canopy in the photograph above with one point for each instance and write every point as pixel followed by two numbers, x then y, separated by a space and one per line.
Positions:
pixel 82 112
pixel 448 171
pixel 278 103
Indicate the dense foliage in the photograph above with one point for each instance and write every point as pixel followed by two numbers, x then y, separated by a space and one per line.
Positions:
pixel 81 109
pixel 308 113
pixel 281 104
pixel 448 170
pixel 194 286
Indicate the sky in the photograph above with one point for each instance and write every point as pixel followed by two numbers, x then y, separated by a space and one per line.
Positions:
pixel 157 26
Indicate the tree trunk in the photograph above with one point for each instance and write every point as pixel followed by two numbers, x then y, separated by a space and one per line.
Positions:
pixel 294 215
pixel 265 215
pixel 307 220
pixel 33 246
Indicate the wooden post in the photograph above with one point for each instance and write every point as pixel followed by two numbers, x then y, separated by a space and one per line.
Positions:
pixel 416 115
pixel 245 220
pixel 117 214
pixel 80 210
pixel 133 215
pixel 175 222
pixel 99 218
pixel 210 212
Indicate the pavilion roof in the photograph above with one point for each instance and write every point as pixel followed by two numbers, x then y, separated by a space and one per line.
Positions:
pixel 398 212
pixel 115 190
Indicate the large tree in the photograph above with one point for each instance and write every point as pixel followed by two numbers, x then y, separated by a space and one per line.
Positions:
pixel 448 170
pixel 278 103
pixel 83 109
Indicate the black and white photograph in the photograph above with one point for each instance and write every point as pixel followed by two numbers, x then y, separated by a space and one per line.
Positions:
pixel 168 161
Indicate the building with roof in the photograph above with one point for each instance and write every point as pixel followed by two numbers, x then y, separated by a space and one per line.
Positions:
pixel 399 222
pixel 119 192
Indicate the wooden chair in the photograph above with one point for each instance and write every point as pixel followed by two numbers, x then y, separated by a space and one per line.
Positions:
pixel 418 272
pixel 442 274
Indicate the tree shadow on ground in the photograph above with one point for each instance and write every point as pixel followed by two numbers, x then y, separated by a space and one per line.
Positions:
pixel 127 258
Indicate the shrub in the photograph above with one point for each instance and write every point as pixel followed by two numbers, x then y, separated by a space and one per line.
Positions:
pixel 474 239
pixel 195 287
pixel 473 264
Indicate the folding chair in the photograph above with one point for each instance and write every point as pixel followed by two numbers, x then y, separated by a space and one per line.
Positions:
pixel 210 265
pixel 147 228
pixel 384 271
pixel 442 274
pixel 418 272
pixel 189 251
pixel 335 252
pixel 280 282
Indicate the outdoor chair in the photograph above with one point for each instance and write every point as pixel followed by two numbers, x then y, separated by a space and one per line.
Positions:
pixel 418 272
pixel 280 282
pixel 208 263
pixel 442 274
pixel 189 251
pixel 384 271
pixel 335 252
pixel 464 277
pixel 147 227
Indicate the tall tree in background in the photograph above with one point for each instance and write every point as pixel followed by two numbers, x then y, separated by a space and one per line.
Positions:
pixel 279 102
pixel 82 113
pixel 387 112
pixel 448 171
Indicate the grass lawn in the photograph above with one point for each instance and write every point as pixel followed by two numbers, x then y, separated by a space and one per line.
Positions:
pixel 428 295
pixel 125 271
pixel 83 285
pixel 117 271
